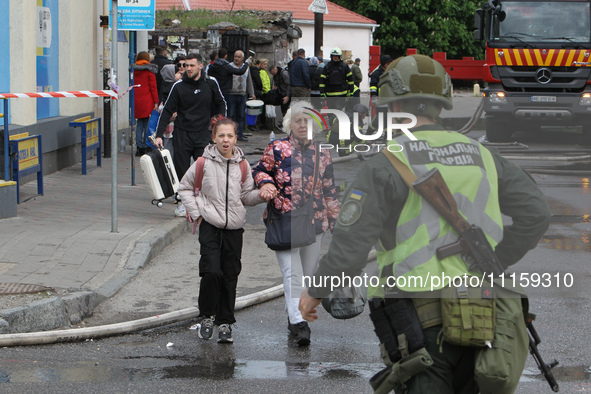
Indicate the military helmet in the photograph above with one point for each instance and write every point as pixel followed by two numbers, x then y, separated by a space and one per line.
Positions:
pixel 416 77
pixel 336 51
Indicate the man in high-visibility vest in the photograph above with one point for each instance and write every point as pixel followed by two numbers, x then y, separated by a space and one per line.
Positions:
pixel 380 209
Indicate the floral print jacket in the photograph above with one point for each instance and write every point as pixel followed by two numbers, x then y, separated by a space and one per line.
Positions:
pixel 281 165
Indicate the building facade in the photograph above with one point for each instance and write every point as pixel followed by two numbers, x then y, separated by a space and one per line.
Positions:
pixel 57 45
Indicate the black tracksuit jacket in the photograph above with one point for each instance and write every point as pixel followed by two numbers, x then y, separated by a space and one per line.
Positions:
pixel 195 102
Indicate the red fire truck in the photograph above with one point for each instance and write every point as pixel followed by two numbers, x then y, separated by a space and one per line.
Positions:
pixel 538 65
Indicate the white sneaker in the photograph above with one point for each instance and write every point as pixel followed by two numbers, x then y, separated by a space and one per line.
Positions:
pixel 180 210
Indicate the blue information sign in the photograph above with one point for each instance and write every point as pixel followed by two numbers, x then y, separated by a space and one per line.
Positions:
pixel 135 14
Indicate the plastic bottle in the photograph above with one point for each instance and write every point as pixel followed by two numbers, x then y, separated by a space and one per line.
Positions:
pixel 122 147
pixel 272 136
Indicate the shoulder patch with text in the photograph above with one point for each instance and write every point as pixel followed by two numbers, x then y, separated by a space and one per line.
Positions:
pixel 456 154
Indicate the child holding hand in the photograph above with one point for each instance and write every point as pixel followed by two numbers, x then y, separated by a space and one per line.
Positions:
pixel 218 207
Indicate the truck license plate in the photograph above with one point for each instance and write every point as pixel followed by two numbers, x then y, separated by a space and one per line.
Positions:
pixel 543 99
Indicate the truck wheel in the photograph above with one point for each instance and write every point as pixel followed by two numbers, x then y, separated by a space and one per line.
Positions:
pixel 497 130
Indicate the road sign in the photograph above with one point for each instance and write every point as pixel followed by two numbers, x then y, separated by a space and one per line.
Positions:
pixel 318 6
pixel 135 14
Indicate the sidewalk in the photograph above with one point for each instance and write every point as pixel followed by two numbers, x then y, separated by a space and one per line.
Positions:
pixel 63 239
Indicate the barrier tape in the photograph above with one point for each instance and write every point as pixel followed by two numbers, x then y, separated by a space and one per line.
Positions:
pixel 77 93
pixel 128 89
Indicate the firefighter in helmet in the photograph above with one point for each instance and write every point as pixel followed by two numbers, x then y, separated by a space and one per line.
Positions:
pixel 336 80
pixel 380 209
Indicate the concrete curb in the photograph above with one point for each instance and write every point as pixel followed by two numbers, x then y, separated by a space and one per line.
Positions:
pixel 56 312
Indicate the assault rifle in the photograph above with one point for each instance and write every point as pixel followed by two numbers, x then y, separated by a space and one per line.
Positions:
pixel 472 241
pixel 545 369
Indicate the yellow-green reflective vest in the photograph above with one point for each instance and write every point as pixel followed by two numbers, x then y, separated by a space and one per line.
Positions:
pixel 470 173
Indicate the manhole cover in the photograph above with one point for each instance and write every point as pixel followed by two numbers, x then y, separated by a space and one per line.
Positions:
pixel 21 288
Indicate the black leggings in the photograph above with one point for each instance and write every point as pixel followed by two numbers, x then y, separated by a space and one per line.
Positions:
pixel 219 267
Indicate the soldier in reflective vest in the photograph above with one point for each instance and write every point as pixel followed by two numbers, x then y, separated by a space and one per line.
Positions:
pixel 379 208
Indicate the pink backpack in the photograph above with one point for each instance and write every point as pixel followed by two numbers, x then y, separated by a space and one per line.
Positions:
pixel 244 168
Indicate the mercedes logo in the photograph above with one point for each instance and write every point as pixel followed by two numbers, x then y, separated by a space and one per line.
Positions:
pixel 544 75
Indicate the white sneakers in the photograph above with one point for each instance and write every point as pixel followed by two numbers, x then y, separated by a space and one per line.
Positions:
pixel 180 210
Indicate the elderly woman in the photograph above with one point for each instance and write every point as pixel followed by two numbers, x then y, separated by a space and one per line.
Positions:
pixel 285 175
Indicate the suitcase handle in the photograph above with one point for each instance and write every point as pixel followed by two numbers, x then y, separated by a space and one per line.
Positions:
pixel 153 141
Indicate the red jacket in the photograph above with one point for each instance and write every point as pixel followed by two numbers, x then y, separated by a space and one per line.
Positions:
pixel 146 96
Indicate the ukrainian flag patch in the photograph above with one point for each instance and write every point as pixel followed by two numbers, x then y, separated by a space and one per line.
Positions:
pixel 356 195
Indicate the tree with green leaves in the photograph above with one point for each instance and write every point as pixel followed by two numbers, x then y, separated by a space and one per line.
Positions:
pixel 427 25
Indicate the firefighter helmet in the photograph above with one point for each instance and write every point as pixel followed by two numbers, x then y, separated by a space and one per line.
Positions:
pixel 416 77
pixel 336 51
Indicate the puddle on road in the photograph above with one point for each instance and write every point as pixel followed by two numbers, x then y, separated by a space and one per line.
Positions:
pixel 562 374
pixel 569 176
pixel 237 369
pixel 228 369
pixel 572 374
pixel 570 219
pixel 560 242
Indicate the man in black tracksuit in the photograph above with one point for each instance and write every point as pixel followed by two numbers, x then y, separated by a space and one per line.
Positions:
pixel 195 98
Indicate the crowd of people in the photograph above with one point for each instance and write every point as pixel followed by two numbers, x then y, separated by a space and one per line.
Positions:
pixel 327 82
pixel 295 178
pixel 227 86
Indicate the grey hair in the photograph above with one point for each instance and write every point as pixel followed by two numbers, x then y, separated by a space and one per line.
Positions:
pixel 296 108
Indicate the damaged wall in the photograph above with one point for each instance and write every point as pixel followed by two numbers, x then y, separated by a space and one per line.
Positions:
pixel 275 42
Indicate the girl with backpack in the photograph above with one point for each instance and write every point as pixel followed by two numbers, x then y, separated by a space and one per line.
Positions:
pixel 214 192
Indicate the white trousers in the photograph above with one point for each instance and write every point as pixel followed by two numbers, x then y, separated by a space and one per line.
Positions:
pixel 295 263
